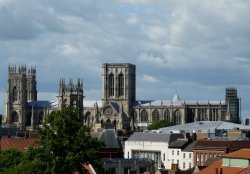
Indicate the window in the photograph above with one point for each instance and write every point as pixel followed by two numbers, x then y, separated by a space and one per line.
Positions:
pixel 112 170
pixel 177 152
pixel 128 154
pixel 177 161
pixel 184 165
pixel 164 157
pixel 111 85
pixel 14 117
pixel 167 115
pixel 144 116
pixel 120 85
pixel 14 94
pixel 172 152
pixel 190 165
pixel 177 117
pixel 190 155
pixel 184 155
pixel 155 115
pixel 172 161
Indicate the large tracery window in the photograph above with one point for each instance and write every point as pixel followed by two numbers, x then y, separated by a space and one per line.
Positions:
pixel 14 117
pixel 167 116
pixel 111 85
pixel 40 118
pixel 177 117
pixel 144 116
pixel 155 115
pixel 14 93
pixel 120 85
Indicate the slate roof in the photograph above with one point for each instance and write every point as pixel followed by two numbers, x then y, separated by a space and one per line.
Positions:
pixel 109 137
pixel 115 106
pixel 39 104
pixel 204 126
pixel 154 137
pixel 190 147
pixel 17 143
pixel 179 143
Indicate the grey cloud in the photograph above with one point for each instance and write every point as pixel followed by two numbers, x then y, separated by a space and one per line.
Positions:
pixel 185 45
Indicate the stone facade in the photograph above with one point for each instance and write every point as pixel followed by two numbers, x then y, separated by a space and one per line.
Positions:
pixel 118 106
pixel 22 110
pixel 71 95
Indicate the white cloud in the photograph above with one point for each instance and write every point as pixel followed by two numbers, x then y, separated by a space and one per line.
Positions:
pixel 66 49
pixel 149 58
pixel 149 79
pixel 198 42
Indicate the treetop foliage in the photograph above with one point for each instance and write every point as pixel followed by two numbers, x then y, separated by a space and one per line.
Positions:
pixel 65 144
pixel 159 124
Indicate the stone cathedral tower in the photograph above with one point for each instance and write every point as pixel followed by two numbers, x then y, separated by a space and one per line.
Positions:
pixel 71 95
pixel 118 94
pixel 21 89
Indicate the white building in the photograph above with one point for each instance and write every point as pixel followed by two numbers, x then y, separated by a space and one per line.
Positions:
pixel 181 153
pixel 151 145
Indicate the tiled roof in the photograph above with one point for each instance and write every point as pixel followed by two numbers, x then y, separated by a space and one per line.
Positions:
pixel 236 145
pixel 207 144
pixel 17 143
pixel 229 146
pixel 89 169
pixel 243 153
pixel 216 168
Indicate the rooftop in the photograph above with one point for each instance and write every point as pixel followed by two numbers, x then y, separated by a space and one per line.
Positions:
pixel 155 137
pixel 242 153
pixel 204 126
pixel 17 143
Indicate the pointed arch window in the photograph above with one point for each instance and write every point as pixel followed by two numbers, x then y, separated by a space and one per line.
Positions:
pixel 144 116
pixel 167 115
pixel 74 104
pixel 155 115
pixel 177 117
pixel 40 118
pixel 120 85
pixel 14 94
pixel 111 85
pixel 14 117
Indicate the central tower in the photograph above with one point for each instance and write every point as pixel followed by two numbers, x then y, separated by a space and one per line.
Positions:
pixel 118 92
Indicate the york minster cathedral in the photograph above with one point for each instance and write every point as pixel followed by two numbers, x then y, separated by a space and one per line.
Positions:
pixel 118 106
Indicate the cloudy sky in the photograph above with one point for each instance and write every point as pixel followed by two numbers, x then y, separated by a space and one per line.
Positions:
pixel 194 47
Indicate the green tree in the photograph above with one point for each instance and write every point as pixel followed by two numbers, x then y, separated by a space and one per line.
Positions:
pixel 9 158
pixel 66 143
pixel 159 124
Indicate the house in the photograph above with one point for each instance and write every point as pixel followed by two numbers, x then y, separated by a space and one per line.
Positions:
pixel 205 149
pixel 237 162
pixel 177 155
